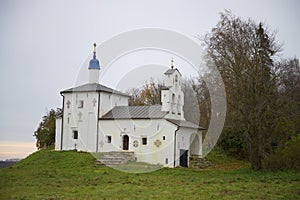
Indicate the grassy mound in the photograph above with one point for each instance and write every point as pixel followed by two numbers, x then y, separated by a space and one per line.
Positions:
pixel 72 175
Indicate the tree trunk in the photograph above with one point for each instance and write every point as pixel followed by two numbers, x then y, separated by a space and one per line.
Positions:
pixel 255 157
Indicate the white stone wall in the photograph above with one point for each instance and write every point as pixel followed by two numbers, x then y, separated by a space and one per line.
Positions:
pixel 58 123
pixel 108 101
pixel 84 120
pixel 94 75
pixel 159 134
pixel 184 138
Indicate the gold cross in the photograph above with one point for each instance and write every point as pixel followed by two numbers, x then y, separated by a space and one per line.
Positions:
pixel 95 47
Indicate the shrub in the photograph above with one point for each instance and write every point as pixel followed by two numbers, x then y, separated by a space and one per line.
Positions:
pixel 286 157
pixel 232 143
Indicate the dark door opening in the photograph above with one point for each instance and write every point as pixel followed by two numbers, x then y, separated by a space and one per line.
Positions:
pixel 125 142
pixel 183 161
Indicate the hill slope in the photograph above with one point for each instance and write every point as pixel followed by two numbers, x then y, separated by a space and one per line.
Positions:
pixel 70 175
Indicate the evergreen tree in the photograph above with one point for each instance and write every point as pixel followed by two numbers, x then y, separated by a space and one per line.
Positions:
pixel 45 133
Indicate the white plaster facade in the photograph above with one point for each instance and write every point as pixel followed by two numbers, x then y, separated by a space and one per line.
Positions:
pixel 160 136
pixel 98 119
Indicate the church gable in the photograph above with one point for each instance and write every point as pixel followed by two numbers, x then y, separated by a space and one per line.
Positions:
pixel 93 87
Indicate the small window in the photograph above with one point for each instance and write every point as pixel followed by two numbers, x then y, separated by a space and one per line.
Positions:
pixel 80 105
pixel 144 141
pixel 108 139
pixel 164 137
pixel 69 115
pixel 167 161
pixel 176 78
pixel 75 135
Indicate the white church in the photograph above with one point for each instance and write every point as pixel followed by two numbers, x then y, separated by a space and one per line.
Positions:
pixel 97 118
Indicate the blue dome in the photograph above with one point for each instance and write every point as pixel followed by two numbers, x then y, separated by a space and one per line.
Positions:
pixel 94 63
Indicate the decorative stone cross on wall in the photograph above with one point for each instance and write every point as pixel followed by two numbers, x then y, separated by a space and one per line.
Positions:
pixel 94 102
pixel 68 104
pixel 157 143
pixel 135 143
pixel 79 116
pixel 101 143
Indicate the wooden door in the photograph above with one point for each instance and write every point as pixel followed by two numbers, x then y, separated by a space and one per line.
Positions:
pixel 183 161
pixel 125 142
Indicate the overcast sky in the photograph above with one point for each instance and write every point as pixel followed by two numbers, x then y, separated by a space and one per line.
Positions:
pixel 43 44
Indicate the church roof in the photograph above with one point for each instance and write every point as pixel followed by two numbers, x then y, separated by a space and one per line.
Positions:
pixel 185 124
pixel 171 71
pixel 163 87
pixel 145 112
pixel 93 87
pixel 135 112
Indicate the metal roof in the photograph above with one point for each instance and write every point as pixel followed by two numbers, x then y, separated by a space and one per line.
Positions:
pixel 185 124
pixel 93 87
pixel 135 112
pixel 171 71
pixel 165 87
pixel 145 112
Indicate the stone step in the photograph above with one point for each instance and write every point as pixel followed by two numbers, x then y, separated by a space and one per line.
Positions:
pixel 115 158
pixel 198 162
pixel 110 162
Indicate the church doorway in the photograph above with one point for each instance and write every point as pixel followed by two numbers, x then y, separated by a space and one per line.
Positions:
pixel 125 142
pixel 183 160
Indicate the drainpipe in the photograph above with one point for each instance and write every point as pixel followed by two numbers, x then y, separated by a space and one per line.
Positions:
pixel 175 145
pixel 97 134
pixel 62 123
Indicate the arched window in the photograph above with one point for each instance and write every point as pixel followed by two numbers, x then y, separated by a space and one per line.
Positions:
pixel 173 105
pixel 179 105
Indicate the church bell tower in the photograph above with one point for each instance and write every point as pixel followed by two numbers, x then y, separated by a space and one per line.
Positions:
pixel 172 97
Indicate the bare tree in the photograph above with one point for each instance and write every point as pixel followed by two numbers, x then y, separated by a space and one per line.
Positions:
pixel 148 94
pixel 243 52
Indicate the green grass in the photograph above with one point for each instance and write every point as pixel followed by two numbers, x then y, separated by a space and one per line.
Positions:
pixel 71 175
